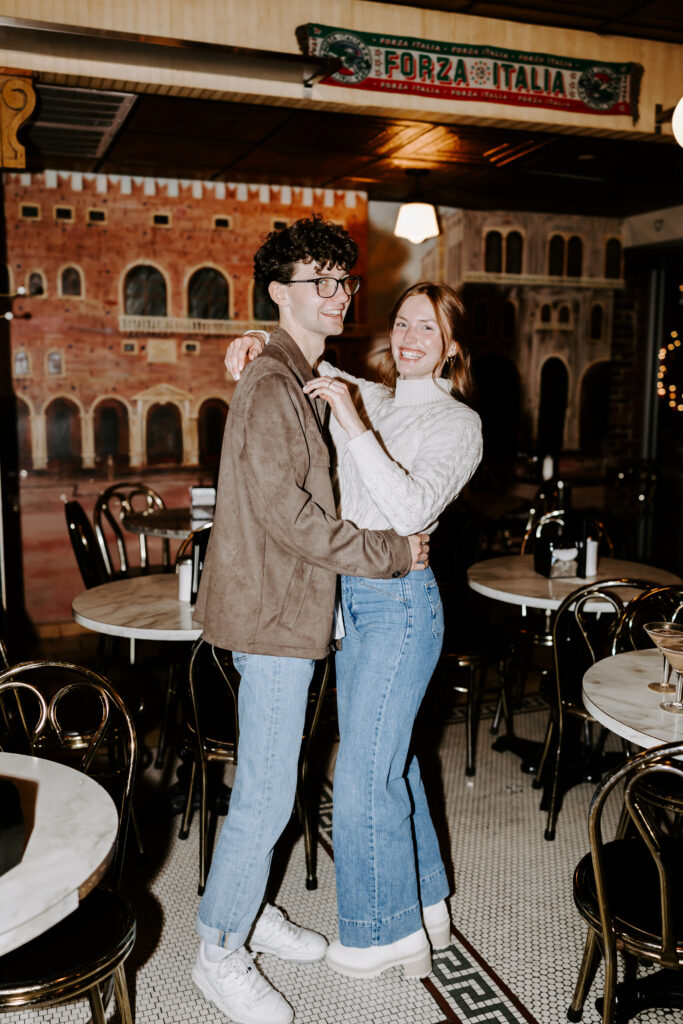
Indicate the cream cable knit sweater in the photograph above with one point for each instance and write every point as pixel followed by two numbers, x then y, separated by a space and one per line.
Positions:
pixel 423 448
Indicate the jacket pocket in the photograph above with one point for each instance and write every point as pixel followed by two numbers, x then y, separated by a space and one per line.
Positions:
pixel 295 595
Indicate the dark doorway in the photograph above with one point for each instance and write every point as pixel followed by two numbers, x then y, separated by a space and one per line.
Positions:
pixel 111 432
pixel 594 407
pixel 498 404
pixel 63 428
pixel 212 416
pixel 164 435
pixel 552 407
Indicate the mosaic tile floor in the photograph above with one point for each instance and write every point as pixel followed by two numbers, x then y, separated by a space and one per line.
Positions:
pixel 518 940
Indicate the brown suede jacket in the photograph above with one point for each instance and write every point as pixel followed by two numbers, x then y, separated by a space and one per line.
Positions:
pixel 276 547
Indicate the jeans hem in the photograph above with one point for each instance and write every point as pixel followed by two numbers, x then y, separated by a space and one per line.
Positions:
pixel 216 937
pixel 361 934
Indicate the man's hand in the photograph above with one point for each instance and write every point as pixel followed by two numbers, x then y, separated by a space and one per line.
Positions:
pixel 240 350
pixel 419 550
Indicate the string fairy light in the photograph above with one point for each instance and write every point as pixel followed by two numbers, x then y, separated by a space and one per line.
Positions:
pixel 672 392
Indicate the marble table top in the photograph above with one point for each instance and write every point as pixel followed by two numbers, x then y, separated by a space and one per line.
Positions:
pixel 74 823
pixel 173 523
pixel 512 579
pixel 142 608
pixel 616 693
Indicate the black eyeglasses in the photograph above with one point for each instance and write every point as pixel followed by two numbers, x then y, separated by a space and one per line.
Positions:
pixel 326 287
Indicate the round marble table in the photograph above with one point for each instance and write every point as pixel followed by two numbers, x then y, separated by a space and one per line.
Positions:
pixel 512 579
pixel 171 523
pixel 71 823
pixel 616 693
pixel 141 608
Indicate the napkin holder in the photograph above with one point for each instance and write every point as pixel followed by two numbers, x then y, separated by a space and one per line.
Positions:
pixel 202 505
pixel 560 547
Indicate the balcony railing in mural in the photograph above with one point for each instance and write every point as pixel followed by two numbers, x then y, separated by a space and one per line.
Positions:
pixel 541 280
pixel 188 325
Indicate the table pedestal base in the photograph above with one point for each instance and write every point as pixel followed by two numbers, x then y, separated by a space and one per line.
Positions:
pixel 663 990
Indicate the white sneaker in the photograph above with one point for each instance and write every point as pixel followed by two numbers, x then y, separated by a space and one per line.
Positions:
pixel 437 921
pixel 237 988
pixel 273 933
pixel 411 951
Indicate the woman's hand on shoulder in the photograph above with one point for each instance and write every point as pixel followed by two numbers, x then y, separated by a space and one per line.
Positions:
pixel 241 350
pixel 336 393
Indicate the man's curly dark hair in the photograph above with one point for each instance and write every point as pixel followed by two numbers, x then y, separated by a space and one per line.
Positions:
pixel 309 240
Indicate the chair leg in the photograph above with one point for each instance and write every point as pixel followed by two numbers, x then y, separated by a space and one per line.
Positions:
pixel 471 692
pixel 169 708
pixel 498 713
pixel 537 782
pixel 122 1000
pixel 203 829
pixel 305 811
pixel 96 1005
pixel 554 789
pixel 187 813
pixel 587 972
pixel 136 830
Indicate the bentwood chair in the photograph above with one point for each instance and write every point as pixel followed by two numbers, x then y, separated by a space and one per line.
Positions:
pixel 581 636
pixel 68 713
pixel 111 508
pixel 85 546
pixel 628 890
pixel 211 734
pixel 657 604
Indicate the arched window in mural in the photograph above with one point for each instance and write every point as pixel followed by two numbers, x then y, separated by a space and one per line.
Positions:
pixel 263 308
pixel 563 315
pixel 208 295
pixel 574 257
pixel 36 284
pixel 145 292
pixel 498 403
pixel 594 407
pixel 71 281
pixel 55 364
pixel 552 407
pixel 513 252
pixel 111 432
pixel 211 424
pixel 24 435
pixel 164 435
pixel 508 320
pixel 613 258
pixel 22 367
pixel 597 320
pixel 63 430
pixel 546 314
pixel 480 320
pixel 556 256
pixel 493 254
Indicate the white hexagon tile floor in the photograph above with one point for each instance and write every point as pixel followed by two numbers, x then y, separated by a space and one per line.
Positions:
pixel 518 938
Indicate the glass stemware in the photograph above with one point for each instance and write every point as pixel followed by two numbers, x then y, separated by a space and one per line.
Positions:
pixel 673 651
pixel 660 632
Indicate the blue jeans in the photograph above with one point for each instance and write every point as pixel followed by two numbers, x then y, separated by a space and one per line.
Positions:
pixel 273 695
pixel 386 852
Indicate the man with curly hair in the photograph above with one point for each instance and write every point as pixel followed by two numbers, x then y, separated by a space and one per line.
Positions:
pixel 268 594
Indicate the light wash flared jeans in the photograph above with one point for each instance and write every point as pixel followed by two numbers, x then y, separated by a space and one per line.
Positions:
pixel 386 853
pixel 273 697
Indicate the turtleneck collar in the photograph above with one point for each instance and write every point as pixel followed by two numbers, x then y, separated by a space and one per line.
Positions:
pixel 422 392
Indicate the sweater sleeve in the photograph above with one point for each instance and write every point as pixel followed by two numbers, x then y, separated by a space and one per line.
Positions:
pixel 279 476
pixel 448 456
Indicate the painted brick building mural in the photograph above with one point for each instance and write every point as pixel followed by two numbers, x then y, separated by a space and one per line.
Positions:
pixel 133 286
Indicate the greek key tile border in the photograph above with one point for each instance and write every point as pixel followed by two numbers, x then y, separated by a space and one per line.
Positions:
pixel 466 989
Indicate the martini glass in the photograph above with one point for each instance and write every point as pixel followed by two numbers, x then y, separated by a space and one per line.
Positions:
pixel 660 632
pixel 673 652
